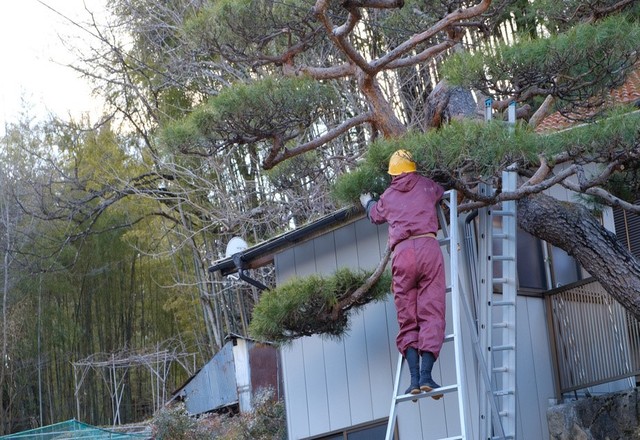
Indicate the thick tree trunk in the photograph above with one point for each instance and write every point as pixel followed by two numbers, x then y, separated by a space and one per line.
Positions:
pixel 446 103
pixel 384 118
pixel 571 227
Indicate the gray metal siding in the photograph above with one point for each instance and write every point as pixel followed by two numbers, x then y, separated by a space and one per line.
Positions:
pixel 214 386
pixel 346 251
pixel 335 384
pixel 534 379
pixel 332 384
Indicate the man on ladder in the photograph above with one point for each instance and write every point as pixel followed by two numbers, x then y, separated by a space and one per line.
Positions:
pixel 419 286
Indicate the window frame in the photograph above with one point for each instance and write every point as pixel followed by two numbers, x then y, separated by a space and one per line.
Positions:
pixel 344 433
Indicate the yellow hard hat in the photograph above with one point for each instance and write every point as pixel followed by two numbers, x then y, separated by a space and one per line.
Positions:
pixel 401 162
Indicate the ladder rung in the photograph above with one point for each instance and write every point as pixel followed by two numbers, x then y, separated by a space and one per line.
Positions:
pixel 444 241
pixel 500 280
pixel 457 437
pixel 448 289
pixel 503 348
pixel 500 369
pixel 449 337
pixel 503 413
pixel 502 236
pixel 502 258
pixel 501 393
pixel 503 303
pixel 500 325
pixel 442 390
pixel 502 212
pixel 507 437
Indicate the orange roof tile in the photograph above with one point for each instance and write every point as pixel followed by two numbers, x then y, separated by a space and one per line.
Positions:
pixel 627 93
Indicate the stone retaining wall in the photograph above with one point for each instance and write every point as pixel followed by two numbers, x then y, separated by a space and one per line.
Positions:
pixel 607 417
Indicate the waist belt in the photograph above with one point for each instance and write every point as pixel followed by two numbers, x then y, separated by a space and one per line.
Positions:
pixel 413 237
pixel 430 234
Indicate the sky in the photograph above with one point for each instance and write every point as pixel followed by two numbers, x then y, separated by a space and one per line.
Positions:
pixel 33 58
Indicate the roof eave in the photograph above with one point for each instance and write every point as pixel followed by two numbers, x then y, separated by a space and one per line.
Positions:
pixel 262 254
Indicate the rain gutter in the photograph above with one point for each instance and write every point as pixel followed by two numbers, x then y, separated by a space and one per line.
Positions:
pixel 255 256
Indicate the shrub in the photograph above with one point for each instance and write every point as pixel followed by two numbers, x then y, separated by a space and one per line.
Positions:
pixel 266 422
pixel 176 424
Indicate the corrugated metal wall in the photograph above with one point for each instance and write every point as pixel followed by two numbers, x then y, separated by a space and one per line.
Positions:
pixel 233 376
pixel 214 386
pixel 596 338
pixel 331 385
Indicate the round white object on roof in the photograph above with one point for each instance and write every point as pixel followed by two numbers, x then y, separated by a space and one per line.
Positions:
pixel 235 245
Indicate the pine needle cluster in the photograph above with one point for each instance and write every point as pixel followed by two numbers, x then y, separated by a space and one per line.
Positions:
pixel 312 305
pixel 468 151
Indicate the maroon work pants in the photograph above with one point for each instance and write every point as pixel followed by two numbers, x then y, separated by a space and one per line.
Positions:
pixel 419 293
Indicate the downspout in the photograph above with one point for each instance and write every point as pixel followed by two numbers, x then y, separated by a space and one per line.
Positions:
pixel 241 266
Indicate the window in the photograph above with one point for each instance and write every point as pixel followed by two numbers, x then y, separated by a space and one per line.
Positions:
pixel 565 269
pixel 531 262
pixel 374 431
pixel 540 264
pixel 628 230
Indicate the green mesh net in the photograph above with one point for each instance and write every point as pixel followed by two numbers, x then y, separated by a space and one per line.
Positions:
pixel 72 429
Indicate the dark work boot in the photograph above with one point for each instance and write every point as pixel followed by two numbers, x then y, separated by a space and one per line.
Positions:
pixel 426 381
pixel 413 361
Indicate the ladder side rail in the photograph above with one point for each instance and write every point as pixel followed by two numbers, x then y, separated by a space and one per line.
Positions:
pixel 471 252
pixel 485 297
pixel 391 424
pixel 475 246
pixel 483 372
pixel 509 296
pixel 442 219
pixel 456 293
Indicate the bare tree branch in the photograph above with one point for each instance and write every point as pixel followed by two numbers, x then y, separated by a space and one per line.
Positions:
pixel 411 43
pixel 543 111
pixel 338 35
pixel 284 154
pixel 352 299
pixel 427 54
pixel 321 73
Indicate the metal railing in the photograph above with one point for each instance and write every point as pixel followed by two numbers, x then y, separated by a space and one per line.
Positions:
pixel 596 340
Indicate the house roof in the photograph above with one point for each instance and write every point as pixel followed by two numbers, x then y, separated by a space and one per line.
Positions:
pixel 628 93
pixel 262 253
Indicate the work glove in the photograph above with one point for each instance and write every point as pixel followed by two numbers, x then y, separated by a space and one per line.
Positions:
pixel 365 199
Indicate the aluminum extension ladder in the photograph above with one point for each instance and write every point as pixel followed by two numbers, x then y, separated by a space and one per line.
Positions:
pixel 451 240
pixel 497 249
pixel 496 263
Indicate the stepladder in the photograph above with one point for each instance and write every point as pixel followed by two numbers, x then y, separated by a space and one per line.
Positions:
pixel 454 398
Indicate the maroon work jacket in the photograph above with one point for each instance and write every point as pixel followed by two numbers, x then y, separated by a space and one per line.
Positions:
pixel 408 206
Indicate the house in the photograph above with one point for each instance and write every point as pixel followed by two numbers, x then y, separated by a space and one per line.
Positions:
pixel 572 339
pixel 337 387
pixel 627 93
